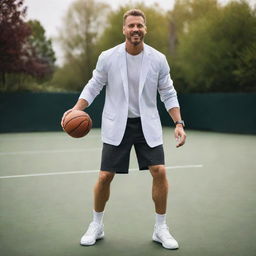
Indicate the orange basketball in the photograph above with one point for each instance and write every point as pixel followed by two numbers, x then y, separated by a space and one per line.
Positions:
pixel 77 123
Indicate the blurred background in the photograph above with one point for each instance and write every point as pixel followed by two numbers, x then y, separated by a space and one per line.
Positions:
pixel 53 46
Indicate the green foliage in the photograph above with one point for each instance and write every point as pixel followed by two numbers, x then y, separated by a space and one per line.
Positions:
pixel 211 53
pixel 39 42
pixel 68 78
pixel 112 34
pixel 187 11
pixel 245 73
pixel 158 26
pixel 83 24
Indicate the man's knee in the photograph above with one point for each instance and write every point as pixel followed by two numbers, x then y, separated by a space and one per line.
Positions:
pixel 105 177
pixel 158 171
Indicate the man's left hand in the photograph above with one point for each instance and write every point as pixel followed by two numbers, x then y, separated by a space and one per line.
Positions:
pixel 180 135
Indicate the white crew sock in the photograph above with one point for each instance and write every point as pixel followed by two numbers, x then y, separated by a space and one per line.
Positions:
pixel 160 219
pixel 98 217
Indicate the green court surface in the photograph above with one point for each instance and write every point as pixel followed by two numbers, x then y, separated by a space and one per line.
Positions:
pixel 46 200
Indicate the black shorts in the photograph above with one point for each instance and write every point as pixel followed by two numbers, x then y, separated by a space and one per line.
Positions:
pixel 116 158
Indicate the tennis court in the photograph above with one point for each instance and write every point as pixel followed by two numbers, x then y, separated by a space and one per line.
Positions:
pixel 46 201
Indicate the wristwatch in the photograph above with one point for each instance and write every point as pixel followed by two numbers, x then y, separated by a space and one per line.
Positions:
pixel 180 122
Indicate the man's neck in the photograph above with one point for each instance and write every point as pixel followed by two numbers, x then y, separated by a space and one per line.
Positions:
pixel 134 49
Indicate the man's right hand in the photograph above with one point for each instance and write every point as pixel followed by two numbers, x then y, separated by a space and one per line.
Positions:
pixel 80 105
pixel 63 117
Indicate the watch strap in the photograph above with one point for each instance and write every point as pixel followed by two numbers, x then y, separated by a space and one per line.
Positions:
pixel 180 122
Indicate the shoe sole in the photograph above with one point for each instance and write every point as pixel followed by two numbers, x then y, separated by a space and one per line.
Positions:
pixel 98 238
pixel 154 238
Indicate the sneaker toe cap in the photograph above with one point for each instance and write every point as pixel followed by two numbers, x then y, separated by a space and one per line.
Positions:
pixel 170 244
pixel 87 240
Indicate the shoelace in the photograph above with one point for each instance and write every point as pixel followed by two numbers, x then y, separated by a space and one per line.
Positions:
pixel 164 230
pixel 92 229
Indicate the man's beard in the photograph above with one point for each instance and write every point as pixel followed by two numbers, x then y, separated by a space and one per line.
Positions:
pixel 135 43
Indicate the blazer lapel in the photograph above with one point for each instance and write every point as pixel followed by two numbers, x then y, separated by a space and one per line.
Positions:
pixel 144 68
pixel 123 69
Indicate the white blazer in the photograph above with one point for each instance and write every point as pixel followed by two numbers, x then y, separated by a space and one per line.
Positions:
pixel 111 71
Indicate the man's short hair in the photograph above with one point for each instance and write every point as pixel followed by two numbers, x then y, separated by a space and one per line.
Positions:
pixel 134 12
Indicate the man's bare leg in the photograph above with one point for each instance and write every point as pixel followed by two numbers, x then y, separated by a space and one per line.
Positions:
pixel 159 188
pixel 101 196
pixel 102 190
pixel 159 194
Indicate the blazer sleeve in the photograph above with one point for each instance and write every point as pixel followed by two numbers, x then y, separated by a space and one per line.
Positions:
pixel 97 82
pixel 166 89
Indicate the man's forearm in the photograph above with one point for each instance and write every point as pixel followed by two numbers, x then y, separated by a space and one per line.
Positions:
pixel 81 104
pixel 175 114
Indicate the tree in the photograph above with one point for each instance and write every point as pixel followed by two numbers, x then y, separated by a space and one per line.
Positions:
pixel 245 73
pixel 14 33
pixel 184 14
pixel 213 50
pixel 24 50
pixel 42 50
pixel 83 23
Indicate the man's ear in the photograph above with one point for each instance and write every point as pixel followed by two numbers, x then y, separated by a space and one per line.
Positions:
pixel 123 30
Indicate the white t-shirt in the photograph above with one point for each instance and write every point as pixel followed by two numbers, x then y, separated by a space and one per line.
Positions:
pixel 133 73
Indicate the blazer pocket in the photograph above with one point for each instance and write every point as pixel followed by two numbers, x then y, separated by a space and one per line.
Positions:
pixel 108 115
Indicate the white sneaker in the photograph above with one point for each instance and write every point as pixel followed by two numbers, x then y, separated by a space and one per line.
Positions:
pixel 162 235
pixel 93 233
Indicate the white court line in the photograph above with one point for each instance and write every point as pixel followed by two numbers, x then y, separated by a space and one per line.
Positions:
pixel 91 171
pixel 39 136
pixel 30 152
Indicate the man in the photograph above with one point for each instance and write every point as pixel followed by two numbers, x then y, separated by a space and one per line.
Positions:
pixel 132 72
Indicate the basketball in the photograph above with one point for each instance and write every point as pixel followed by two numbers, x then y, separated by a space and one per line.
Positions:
pixel 77 123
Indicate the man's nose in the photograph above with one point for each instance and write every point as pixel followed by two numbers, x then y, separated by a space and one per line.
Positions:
pixel 135 28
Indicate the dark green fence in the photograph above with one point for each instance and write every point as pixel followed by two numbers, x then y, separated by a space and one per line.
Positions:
pixel 221 112
pixel 25 112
